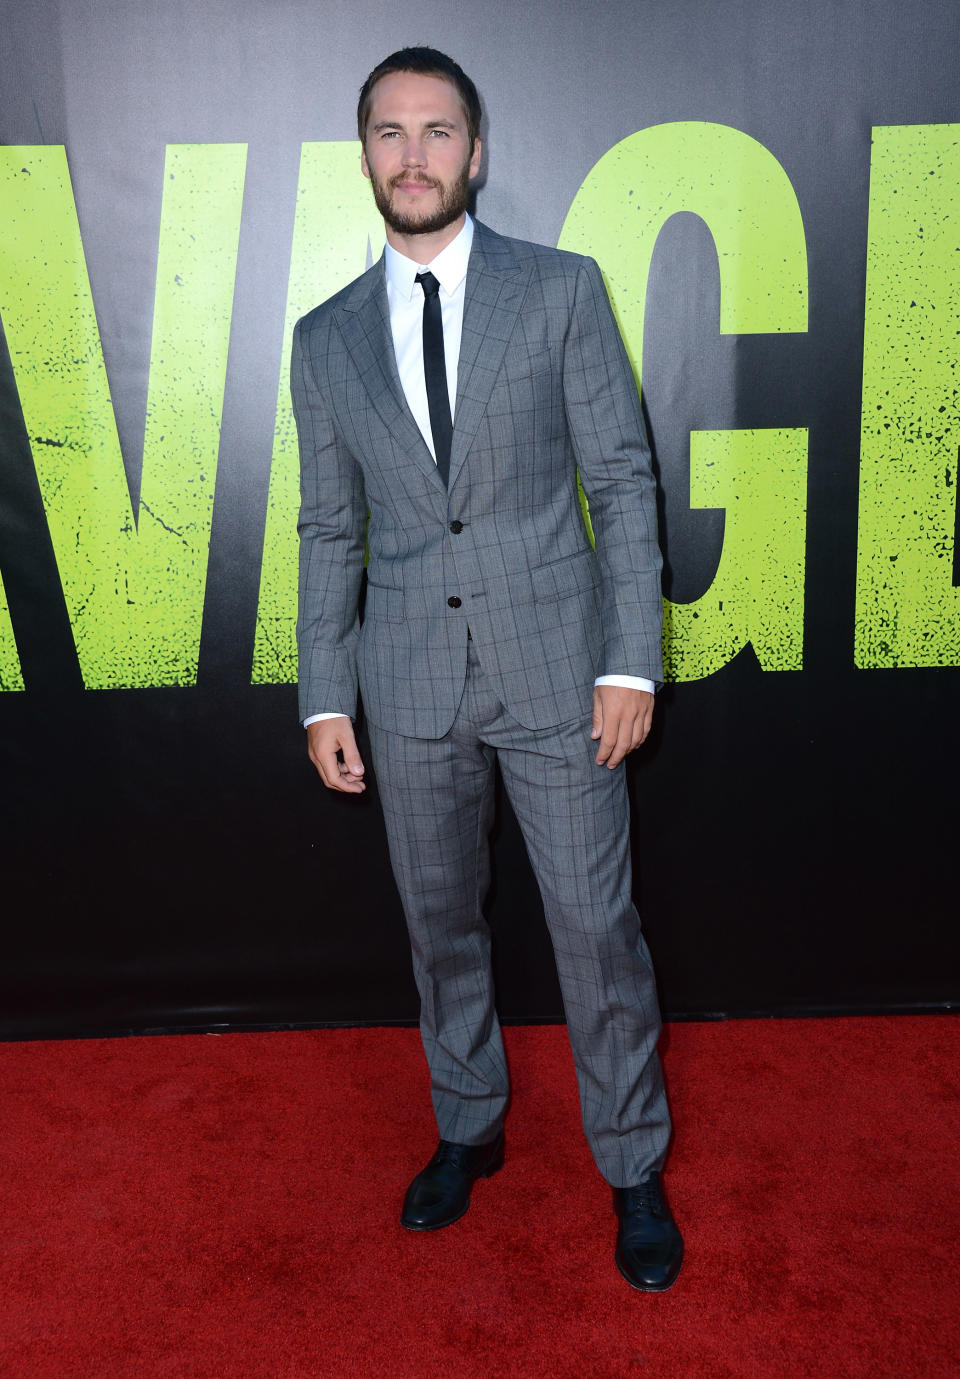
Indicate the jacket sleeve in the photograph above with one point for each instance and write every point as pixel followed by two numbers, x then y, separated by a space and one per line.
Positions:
pixel 332 527
pixel 609 438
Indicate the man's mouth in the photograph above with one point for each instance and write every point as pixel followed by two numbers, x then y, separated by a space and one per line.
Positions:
pixel 410 184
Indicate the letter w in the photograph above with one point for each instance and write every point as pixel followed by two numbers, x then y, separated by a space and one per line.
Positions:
pixel 133 583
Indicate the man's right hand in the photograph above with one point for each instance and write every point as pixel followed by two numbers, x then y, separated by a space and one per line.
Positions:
pixel 325 739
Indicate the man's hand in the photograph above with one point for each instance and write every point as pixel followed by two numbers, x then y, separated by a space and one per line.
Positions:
pixel 325 739
pixel 621 721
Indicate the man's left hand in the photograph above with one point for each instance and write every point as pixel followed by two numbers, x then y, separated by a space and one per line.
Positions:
pixel 621 721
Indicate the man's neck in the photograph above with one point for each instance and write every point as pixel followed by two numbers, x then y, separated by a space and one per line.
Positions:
pixel 424 249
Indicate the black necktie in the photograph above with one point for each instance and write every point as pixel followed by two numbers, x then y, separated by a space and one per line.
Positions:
pixel 435 373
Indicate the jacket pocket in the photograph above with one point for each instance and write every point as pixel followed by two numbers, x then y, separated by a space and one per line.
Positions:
pixel 575 574
pixel 384 604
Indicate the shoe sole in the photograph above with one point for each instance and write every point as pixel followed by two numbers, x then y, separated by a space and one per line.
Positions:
pixel 648 1287
pixel 436 1225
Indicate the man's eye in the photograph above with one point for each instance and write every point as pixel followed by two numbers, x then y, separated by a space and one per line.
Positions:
pixel 441 133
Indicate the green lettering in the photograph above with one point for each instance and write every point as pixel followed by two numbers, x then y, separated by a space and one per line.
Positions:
pixel 907 607
pixel 133 586
pixel 760 479
pixel 743 194
pixel 334 224
pixel 11 676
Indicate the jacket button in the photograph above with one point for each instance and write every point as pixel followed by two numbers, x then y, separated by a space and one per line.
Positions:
pixel 456 528
pixel 453 601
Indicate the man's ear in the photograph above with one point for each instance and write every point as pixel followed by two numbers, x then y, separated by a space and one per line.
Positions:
pixel 475 158
pixel 364 166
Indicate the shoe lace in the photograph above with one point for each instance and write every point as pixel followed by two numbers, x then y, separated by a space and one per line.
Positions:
pixel 450 1153
pixel 644 1197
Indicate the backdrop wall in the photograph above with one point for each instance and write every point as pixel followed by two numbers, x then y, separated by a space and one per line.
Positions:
pixel 772 189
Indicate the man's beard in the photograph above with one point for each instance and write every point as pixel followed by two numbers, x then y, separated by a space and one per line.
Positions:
pixel 451 204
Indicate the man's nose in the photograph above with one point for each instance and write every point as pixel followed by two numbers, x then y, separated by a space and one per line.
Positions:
pixel 414 154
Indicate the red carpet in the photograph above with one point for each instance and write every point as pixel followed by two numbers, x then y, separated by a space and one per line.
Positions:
pixel 203 1207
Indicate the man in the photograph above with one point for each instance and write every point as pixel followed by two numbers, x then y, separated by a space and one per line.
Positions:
pixel 453 391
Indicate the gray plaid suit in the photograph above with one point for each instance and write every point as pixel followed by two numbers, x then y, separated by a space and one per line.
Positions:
pixel 544 388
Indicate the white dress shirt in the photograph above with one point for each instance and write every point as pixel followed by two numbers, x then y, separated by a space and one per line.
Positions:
pixel 405 300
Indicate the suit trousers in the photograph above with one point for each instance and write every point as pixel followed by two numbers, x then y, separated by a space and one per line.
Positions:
pixel 437 797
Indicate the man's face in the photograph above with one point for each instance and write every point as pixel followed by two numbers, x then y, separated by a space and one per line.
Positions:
pixel 417 153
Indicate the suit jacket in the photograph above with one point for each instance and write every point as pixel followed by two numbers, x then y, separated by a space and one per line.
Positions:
pixel 544 388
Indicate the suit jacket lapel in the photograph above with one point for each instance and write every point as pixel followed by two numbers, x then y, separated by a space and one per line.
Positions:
pixel 364 321
pixel 495 290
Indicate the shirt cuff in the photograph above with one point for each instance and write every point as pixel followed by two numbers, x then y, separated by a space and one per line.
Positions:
pixel 627 682
pixel 318 717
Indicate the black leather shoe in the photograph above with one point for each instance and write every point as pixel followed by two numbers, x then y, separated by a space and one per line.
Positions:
pixel 441 1193
pixel 649 1245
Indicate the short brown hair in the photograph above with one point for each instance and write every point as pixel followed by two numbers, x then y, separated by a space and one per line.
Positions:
pixel 428 62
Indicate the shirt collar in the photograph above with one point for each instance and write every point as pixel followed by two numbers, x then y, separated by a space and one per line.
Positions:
pixel 449 267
